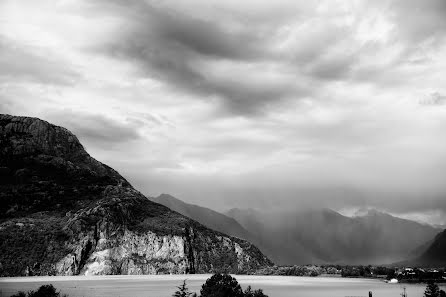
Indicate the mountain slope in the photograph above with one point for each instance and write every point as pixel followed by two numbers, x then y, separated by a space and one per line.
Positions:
pixel 434 255
pixel 275 241
pixel 325 236
pixel 205 216
pixel 64 213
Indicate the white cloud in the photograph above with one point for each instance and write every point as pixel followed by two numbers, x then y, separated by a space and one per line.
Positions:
pixel 225 102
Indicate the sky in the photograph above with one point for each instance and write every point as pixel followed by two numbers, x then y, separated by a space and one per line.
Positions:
pixel 262 104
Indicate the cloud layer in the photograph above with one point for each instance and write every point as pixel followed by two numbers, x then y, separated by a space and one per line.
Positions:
pixel 228 104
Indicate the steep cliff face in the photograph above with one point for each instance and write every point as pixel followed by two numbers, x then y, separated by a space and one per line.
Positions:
pixel 64 213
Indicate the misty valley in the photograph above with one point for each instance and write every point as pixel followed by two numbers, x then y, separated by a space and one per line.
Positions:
pixel 66 214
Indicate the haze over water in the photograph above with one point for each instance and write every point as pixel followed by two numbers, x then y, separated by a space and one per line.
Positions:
pixel 165 285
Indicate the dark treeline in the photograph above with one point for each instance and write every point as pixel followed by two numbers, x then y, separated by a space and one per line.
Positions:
pixel 406 274
pixel 340 270
pixel 219 285
pixel 43 291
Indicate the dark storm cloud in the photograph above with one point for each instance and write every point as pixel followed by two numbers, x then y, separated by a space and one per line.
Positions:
pixel 95 128
pixel 179 31
pixel 27 63
pixel 205 37
pixel 243 102
pixel 332 68
pixel 183 51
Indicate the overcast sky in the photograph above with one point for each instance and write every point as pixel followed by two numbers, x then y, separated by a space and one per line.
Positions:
pixel 285 104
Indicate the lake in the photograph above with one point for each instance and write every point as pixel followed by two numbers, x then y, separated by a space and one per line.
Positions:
pixel 165 285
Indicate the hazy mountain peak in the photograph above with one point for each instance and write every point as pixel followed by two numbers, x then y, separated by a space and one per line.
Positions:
pixel 326 236
pixel 167 197
pixel 206 216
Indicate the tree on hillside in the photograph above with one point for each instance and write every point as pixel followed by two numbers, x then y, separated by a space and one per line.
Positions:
pixel 256 293
pixel 390 274
pixel 43 291
pixel 432 290
pixel 183 291
pixel 221 285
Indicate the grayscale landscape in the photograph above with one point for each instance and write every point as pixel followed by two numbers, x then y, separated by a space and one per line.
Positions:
pixel 164 285
pixel 211 148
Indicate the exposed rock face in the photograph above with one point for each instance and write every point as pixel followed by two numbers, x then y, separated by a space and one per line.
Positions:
pixel 64 213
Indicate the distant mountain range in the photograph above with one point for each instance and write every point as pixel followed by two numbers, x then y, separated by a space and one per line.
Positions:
pixel 325 236
pixel 317 236
pixel 205 216
pixel 64 213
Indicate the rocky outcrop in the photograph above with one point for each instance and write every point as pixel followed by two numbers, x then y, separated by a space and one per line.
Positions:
pixel 64 213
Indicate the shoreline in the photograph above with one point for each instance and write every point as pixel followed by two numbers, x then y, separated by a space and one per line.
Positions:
pixel 161 277
pixel 170 277
pixel 165 285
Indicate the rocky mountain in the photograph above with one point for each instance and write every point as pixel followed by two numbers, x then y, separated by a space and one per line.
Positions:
pixel 433 255
pixel 64 213
pixel 325 236
pixel 208 217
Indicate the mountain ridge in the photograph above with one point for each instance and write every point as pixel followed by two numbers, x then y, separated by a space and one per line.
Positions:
pixel 206 216
pixel 303 248
pixel 64 213
pixel 325 236
pixel 430 254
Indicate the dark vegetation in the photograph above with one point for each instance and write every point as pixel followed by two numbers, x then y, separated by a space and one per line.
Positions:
pixel 295 270
pixel 25 242
pixel 432 290
pixel 316 270
pixel 183 291
pixel 43 291
pixel 54 197
pixel 408 275
pixel 418 275
pixel 220 285
pixel 368 271
pixel 405 275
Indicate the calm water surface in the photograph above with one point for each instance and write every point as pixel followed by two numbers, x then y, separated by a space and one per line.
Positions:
pixel 165 285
